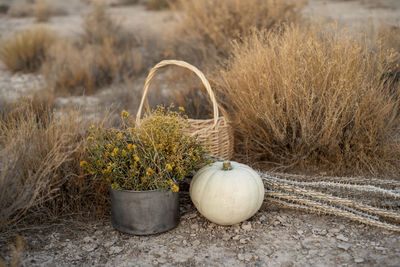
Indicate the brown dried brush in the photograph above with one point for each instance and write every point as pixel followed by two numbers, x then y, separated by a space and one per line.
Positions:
pixel 207 28
pixel 312 101
pixel 39 162
pixel 75 70
pixel 26 50
pixel 100 27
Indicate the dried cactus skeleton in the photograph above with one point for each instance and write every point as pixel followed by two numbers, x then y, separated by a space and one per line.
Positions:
pixel 369 201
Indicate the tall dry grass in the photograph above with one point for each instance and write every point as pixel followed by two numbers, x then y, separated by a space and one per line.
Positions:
pixel 205 29
pixel 26 50
pixel 99 27
pixel 43 10
pixel 104 54
pixel 76 70
pixel 313 101
pixel 40 153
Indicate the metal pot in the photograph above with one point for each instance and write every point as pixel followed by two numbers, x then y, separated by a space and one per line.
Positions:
pixel 144 212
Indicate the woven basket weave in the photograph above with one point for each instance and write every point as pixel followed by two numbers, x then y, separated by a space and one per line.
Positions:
pixel 216 133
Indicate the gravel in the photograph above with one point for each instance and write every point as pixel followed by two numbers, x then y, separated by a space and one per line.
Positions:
pixel 298 239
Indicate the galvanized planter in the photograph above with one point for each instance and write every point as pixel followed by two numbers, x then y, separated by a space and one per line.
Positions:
pixel 144 212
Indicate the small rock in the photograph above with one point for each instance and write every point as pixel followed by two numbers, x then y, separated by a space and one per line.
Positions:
pixel 88 239
pixel 240 256
pixel 281 219
pixel 344 246
pixel 300 232
pixel 248 257
pixel 162 260
pixel 194 226
pixel 342 238
pixel 247 226
pixel 196 243
pixel 323 232
pixel 115 250
pixel 184 242
pixel 334 230
pixel 226 237
pixel 89 247
pixel 109 243
pixel 380 248
pixel 236 237
pixel 358 260
pixel 243 241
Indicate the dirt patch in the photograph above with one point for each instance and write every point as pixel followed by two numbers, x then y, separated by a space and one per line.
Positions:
pixel 273 237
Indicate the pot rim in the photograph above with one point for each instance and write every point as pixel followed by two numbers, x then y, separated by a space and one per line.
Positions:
pixel 146 191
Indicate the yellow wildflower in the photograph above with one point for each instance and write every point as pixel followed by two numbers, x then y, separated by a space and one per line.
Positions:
pixel 125 114
pixel 91 127
pixel 99 164
pixel 149 171
pixel 175 188
pixel 109 146
pixel 115 151
pixel 143 179
pixel 170 181
pixel 90 138
pixel 106 154
pixel 129 147
pixel 181 108
pixel 108 180
pixel 83 163
pixel 119 135
pixel 124 153
pixel 136 157
pixel 168 166
pixel 85 148
pixel 108 170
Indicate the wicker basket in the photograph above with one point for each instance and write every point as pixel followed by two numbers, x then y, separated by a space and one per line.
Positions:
pixel 216 133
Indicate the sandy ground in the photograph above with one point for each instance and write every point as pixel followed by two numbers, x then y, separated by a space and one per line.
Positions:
pixel 274 237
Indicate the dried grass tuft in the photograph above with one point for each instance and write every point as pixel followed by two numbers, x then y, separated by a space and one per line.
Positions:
pixel 43 10
pixel 20 9
pixel 99 28
pixel 75 70
pixel 104 54
pixel 26 50
pixel 40 153
pixel 206 28
pixel 158 4
pixel 312 101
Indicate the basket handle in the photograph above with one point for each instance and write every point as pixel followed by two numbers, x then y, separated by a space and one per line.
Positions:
pixel 181 64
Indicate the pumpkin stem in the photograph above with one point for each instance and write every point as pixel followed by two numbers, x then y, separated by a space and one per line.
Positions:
pixel 227 166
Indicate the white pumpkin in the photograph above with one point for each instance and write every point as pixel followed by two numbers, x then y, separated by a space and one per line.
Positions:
pixel 227 193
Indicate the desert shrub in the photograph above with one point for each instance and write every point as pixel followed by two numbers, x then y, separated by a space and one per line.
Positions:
pixel 158 4
pixel 99 27
pixel 40 152
pixel 75 69
pixel 104 54
pixel 26 50
pixel 207 28
pixel 43 10
pixel 33 151
pixel 19 9
pixel 4 8
pixel 313 101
